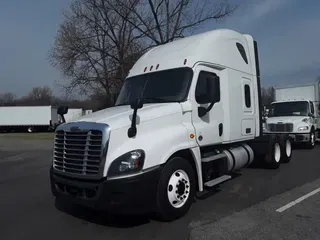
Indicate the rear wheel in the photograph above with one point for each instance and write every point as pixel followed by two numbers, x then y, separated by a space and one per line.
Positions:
pixel 176 189
pixel 273 156
pixel 286 148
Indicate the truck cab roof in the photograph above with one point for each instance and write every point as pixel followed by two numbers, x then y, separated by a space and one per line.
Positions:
pixel 221 47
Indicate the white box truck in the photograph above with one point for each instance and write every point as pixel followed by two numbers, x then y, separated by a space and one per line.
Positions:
pixel 296 111
pixel 188 115
pixel 28 118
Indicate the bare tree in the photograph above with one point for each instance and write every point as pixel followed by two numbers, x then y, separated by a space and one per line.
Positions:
pixel 95 47
pixel 267 96
pixel 39 96
pixel 7 99
pixel 99 40
pixel 162 21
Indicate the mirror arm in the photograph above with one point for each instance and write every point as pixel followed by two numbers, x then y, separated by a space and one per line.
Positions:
pixel 202 111
pixel 132 131
pixel 210 106
pixel 62 118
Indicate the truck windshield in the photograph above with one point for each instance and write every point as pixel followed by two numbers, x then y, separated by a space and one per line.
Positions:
pixel 298 108
pixel 157 87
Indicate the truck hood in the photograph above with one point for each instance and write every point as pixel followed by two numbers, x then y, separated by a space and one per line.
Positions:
pixel 120 116
pixel 289 119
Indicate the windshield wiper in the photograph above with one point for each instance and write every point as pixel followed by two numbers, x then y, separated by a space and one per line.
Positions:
pixel 122 104
pixel 160 100
pixel 152 99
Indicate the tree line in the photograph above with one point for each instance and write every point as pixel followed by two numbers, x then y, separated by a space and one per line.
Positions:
pixel 43 96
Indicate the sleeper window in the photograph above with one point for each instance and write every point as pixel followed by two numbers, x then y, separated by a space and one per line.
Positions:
pixel 247 95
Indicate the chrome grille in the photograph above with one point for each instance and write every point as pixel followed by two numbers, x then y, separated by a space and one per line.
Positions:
pixel 280 127
pixel 78 152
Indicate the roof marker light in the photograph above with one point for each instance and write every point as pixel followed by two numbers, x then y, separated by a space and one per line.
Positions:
pixel 145 69
pixel 151 68
pixel 185 62
pixel 157 66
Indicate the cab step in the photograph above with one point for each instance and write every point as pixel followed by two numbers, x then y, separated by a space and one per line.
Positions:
pixel 213 157
pixel 216 181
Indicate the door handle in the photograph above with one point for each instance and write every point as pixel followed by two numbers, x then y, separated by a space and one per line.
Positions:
pixel 220 129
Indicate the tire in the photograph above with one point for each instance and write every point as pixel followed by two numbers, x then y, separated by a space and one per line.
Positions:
pixel 273 156
pixel 286 148
pixel 312 140
pixel 173 198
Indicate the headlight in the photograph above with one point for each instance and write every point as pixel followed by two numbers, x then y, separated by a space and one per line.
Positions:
pixel 305 120
pixel 304 128
pixel 128 163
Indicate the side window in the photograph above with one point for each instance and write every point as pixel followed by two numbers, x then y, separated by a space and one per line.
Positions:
pixel 207 80
pixel 242 52
pixel 311 107
pixel 247 95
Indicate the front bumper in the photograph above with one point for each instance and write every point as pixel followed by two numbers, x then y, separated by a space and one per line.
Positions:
pixel 122 196
pixel 300 137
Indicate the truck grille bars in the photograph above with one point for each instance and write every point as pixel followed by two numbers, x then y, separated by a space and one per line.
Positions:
pixel 80 151
pixel 280 127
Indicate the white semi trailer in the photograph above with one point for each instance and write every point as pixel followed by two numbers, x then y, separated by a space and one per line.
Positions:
pixel 188 115
pixel 28 118
pixel 296 111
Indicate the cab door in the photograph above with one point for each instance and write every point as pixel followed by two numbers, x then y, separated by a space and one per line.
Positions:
pixel 209 128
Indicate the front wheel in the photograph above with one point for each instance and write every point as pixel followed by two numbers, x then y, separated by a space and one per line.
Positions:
pixel 312 140
pixel 176 189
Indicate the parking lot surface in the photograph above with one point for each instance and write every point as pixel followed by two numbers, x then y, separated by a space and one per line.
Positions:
pixel 245 206
pixel 298 218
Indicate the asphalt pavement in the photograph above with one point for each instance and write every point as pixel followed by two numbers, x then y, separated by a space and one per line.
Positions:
pixel 245 206
pixel 292 215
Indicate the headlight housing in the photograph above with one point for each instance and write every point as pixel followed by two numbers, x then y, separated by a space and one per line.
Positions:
pixel 128 163
pixel 304 128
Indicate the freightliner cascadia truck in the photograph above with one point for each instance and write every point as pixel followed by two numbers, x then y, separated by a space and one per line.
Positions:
pixel 188 115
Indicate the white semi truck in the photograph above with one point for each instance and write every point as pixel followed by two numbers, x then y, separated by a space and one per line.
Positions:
pixel 28 118
pixel 188 116
pixel 296 111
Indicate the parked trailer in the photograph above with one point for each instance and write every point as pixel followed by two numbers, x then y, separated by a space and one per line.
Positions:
pixel 296 111
pixel 28 118
pixel 199 120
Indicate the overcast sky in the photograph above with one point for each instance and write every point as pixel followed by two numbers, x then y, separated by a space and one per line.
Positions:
pixel 287 32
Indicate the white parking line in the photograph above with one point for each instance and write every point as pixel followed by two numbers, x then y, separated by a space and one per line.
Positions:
pixel 300 199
